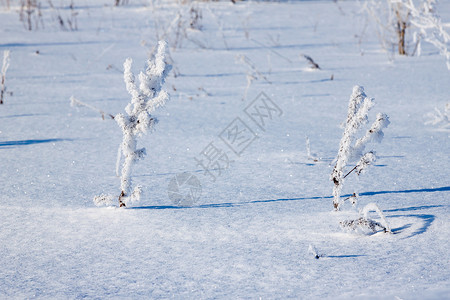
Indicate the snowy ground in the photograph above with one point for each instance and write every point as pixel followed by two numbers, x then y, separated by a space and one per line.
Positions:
pixel 248 234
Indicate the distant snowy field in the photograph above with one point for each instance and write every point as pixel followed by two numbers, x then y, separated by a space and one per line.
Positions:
pixel 248 234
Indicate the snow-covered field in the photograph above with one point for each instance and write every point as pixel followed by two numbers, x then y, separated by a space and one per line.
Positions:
pixel 247 235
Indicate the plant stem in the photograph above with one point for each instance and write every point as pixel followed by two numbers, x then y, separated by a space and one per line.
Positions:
pixel 350 171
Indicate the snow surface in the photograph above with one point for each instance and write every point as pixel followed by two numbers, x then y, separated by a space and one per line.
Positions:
pixel 248 234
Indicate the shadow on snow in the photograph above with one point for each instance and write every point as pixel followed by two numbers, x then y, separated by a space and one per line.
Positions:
pixel 237 204
pixel 426 223
pixel 426 219
pixel 30 142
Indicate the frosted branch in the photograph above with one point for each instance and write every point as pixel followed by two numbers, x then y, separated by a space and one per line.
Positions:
pixel 373 207
pixel 145 98
pixel 358 109
pixel 5 67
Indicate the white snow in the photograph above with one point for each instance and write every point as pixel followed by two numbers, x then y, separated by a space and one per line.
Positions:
pixel 248 234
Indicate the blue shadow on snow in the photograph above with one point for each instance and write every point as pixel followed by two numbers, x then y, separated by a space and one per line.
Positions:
pixel 344 256
pixel 425 218
pixel 31 142
pixel 14 45
pixel 237 204
pixel 22 115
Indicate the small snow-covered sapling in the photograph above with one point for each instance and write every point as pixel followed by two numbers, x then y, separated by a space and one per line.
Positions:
pixel 351 148
pixel 3 75
pixel 145 99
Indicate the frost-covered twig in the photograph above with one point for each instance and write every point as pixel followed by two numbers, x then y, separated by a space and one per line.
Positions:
pixel 172 31
pixel 429 27
pixel 3 75
pixel 375 134
pixel 69 20
pixel 440 118
pixel 311 62
pixel 359 106
pixel 383 15
pixel 145 99
pixel 252 68
pixel 32 9
pixel 314 252
pixel 187 21
pixel 252 74
pixel 353 198
pixel 272 50
pixel 74 102
pixel 120 2
pixel 407 23
pixel 366 160
pixel 311 156
pixel 362 223
pixel 365 222
pixel 219 21
pixel 373 207
pixel 250 79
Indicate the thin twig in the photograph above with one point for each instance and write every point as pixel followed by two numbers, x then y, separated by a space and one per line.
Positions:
pixel 76 102
pixel 270 49
pixel 350 171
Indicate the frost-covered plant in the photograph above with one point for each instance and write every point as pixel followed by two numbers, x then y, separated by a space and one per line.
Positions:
pixel 429 27
pixel 310 155
pixel 312 64
pixel 405 23
pixel 5 66
pixel 186 24
pixel 252 72
pixel 313 250
pixel 67 22
pixel 220 24
pixel 196 16
pixel 7 4
pixel 364 222
pixel 138 120
pixel 440 118
pixel 30 10
pixel 352 149
pixel 120 2
pixel 391 19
